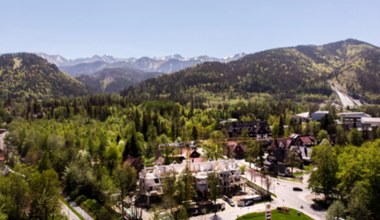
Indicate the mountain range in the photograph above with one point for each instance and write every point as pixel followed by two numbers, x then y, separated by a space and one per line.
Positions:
pixel 293 72
pixel 166 64
pixel 299 71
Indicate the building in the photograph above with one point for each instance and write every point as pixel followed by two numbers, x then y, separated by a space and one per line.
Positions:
pixel 150 178
pixel 352 119
pixel 369 122
pixel 235 150
pixel 318 115
pixel 314 116
pixel 278 149
pixel 257 129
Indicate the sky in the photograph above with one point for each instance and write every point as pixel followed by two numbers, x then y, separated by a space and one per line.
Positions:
pixel 219 28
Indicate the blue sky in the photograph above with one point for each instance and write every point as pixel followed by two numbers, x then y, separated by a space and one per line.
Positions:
pixel 124 28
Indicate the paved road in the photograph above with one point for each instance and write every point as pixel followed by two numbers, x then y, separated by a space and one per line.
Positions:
pixel 285 197
pixel 295 199
pixel 83 213
pixel 65 210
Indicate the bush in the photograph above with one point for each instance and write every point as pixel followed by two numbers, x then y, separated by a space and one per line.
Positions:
pixel 92 205
pixel 80 199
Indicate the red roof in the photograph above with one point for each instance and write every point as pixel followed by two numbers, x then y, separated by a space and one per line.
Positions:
pixel 306 140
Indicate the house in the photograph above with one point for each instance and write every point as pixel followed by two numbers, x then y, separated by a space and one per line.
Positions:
pixel 302 140
pixel 252 128
pixel 278 149
pixel 235 150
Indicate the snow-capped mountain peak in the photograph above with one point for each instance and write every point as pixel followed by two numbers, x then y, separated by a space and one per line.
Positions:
pixel 165 64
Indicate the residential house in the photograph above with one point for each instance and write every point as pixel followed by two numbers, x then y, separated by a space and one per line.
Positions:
pixel 252 128
pixel 276 160
pixel 235 150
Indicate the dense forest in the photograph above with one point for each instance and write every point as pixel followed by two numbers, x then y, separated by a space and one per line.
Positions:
pixel 82 143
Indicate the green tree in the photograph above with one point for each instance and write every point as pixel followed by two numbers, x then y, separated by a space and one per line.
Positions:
pixel 185 187
pixel 169 188
pixel 214 187
pixel 213 150
pixel 124 178
pixel 322 134
pixel 293 159
pixel 335 211
pixel 324 178
pixel 14 196
pixel 45 189
pixel 281 124
pixel 340 136
pixel 359 202
pixel 253 152
pixel 3 216
pixel 355 137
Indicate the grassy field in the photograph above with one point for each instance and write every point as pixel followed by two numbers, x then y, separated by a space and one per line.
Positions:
pixel 276 215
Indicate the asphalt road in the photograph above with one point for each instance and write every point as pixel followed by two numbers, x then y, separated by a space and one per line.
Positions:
pixel 65 210
pixel 283 189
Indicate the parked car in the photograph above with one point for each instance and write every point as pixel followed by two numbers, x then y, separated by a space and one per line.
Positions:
pixel 229 201
pixel 297 189
pixel 248 203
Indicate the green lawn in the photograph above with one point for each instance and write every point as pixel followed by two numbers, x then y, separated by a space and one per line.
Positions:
pixel 276 215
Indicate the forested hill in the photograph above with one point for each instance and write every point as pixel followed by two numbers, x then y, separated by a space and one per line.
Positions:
pixel 286 71
pixel 28 75
pixel 114 79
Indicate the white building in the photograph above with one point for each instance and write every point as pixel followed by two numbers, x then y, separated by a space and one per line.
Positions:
pixel 150 178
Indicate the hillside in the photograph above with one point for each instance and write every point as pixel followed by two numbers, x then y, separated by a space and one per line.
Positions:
pixel 114 79
pixel 289 72
pixel 84 68
pixel 28 75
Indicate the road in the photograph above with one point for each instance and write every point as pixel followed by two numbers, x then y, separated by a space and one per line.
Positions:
pixel 283 189
pixel 295 199
pixel 285 197
pixel 83 213
pixel 65 210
